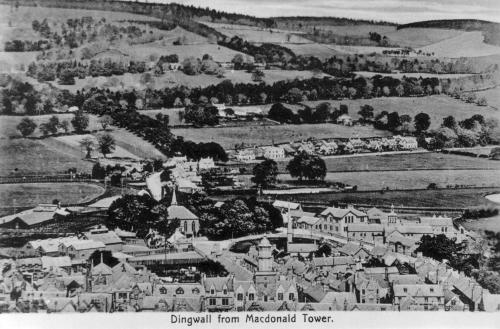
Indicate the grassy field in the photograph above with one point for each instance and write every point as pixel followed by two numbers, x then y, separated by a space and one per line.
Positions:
pixel 266 135
pixel 490 224
pixel 492 97
pixel 459 198
pixel 177 78
pixel 322 51
pixel 412 75
pixel 419 37
pixel 28 195
pixel 468 44
pixel 8 123
pixel 258 35
pixel 436 106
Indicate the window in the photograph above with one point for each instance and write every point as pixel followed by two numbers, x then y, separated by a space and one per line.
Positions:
pixel 405 289
pixel 196 291
pixel 363 291
pixel 265 298
pixel 224 291
pixel 432 289
pixel 225 301
pixel 291 296
pixel 163 290
pixel 212 301
pixel 185 226
pixel 280 296
pixel 250 296
pixel 239 296
pixel 426 299
pixel 212 291
pixel 331 227
pixel 179 291
pixel 336 228
pixel 193 227
pixel 122 295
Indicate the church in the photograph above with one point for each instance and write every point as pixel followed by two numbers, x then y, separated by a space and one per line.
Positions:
pixel 189 222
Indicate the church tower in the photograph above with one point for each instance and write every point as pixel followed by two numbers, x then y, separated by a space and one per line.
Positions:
pixel 265 261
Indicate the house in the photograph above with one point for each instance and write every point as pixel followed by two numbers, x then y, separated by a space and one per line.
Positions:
pixel 336 220
pixel 399 243
pixel 345 120
pixel 285 206
pixel 355 251
pixel 439 225
pixel 307 222
pixel 302 249
pixel 245 155
pixel 46 247
pixel 410 297
pixel 371 291
pixel 187 186
pixel 219 293
pixel 306 147
pixel 273 152
pixel 189 223
pixel 80 249
pixel 327 148
pixel 206 163
pixel 373 233
pixel 110 239
pixel 358 144
pixel 50 263
pixel 377 216
pixel 406 143
pixel 176 297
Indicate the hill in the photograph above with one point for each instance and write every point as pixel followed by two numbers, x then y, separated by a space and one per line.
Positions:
pixel 468 44
pixel 490 30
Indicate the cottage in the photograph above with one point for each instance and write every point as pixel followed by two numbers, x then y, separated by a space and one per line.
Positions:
pixel 409 297
pixel 336 220
pixel 245 155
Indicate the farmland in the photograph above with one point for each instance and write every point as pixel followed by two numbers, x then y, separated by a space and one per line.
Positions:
pixel 412 75
pixel 492 97
pixel 32 194
pixel 266 135
pixel 436 106
pixel 468 44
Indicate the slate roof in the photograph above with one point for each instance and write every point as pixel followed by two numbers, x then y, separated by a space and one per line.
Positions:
pixel 218 283
pixel 338 297
pixel 61 261
pixel 180 212
pixel 109 237
pixel 341 212
pixel 365 228
pixel 405 279
pixel 418 290
pixel 87 244
pixel 350 249
pixel 302 247
pixel 286 205
pixel 308 220
pixel 102 268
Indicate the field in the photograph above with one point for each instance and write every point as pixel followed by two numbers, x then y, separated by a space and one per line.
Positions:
pixel 28 195
pixel 468 44
pixel 419 37
pixel 8 123
pixel 30 156
pixel 266 135
pixel 177 78
pixel 322 51
pixel 492 97
pixel 459 198
pixel 144 51
pixel 412 75
pixel 258 35
pixel 490 224
pixel 436 106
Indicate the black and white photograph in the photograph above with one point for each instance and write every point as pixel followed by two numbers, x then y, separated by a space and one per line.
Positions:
pixel 268 163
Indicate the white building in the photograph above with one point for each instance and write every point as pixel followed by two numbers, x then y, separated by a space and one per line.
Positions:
pixel 273 152
pixel 245 155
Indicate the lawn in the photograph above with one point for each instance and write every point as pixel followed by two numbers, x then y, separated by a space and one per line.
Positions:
pixel 29 195
pixel 267 135
pixel 436 106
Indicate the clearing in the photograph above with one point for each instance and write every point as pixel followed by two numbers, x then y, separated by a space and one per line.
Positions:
pixel 266 135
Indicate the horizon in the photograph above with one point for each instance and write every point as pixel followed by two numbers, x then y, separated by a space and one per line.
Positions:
pixel 391 11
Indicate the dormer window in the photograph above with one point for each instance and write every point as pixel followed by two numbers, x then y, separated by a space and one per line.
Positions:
pixel 212 291
pixel 224 291
pixel 432 289
pixel 163 290
pixel 405 289
pixel 179 291
pixel 196 291
pixel 280 296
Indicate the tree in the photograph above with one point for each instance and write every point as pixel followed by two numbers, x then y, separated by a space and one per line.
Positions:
pixel 422 122
pixel 366 112
pixel 98 172
pixel 26 127
pixel 80 122
pixel 132 213
pixel 106 121
pixel 438 247
pixel 53 124
pixel 106 256
pixel 265 173
pixel 163 224
pixel 258 76
pixel 280 113
pixel 106 144
pixel 64 125
pixel 191 66
pixel 238 61
pixel 449 122
pixel 88 144
pixel 311 167
pixel 393 121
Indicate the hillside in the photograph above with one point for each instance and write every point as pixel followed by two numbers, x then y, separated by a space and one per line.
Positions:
pixel 490 30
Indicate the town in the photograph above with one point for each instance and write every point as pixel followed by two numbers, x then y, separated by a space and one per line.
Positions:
pixel 168 158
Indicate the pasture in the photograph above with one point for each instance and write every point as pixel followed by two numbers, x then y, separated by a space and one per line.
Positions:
pixel 492 97
pixel 468 44
pixel 266 135
pixel 419 37
pixel 30 195
pixel 436 106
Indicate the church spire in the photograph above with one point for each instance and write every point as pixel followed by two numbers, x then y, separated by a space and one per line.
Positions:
pixel 174 198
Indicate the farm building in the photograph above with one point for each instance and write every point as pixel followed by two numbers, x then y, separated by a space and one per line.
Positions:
pixel 345 120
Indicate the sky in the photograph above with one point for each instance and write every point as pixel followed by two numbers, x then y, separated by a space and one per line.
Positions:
pixel 398 11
